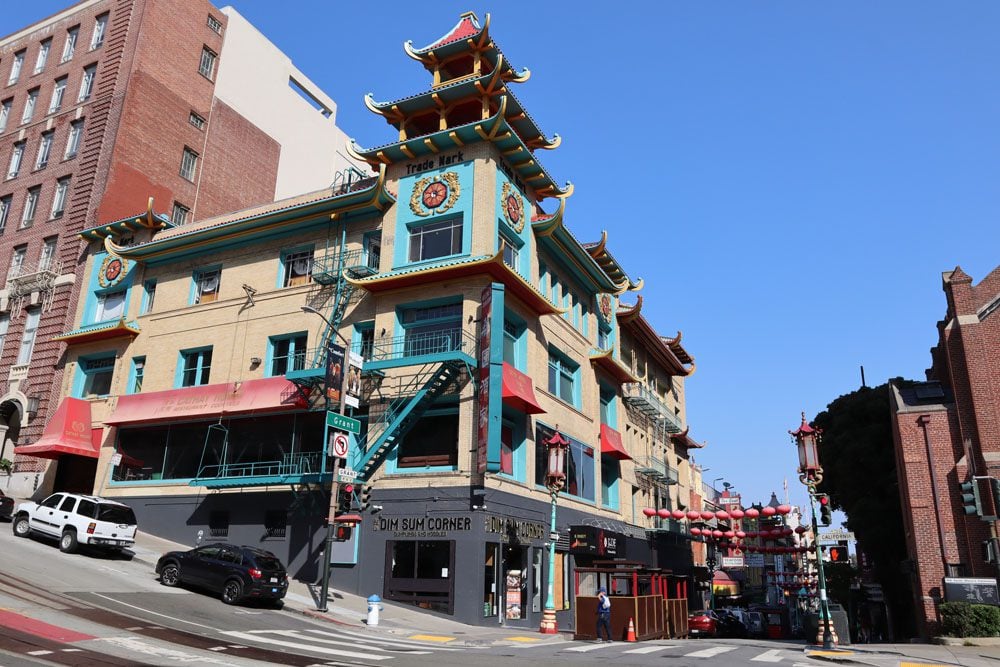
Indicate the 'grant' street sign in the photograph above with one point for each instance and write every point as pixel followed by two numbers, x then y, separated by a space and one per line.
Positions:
pixel 342 423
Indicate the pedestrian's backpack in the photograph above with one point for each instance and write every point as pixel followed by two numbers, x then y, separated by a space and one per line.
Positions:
pixel 606 603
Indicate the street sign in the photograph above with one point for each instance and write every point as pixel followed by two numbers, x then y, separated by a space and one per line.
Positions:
pixel 116 458
pixel 339 444
pixel 342 423
pixel 835 536
pixel 732 561
pixel 348 474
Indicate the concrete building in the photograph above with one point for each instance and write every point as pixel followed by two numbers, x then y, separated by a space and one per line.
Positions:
pixel 946 432
pixel 485 328
pixel 104 106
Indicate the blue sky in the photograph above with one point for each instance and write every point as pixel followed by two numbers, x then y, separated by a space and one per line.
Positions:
pixel 789 178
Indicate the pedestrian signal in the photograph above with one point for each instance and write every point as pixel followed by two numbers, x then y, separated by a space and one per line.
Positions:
pixel 342 533
pixel 838 554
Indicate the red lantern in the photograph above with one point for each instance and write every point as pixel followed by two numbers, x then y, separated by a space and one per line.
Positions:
pixel 693 515
pixel 800 530
pixel 752 513
pixel 736 513
pixel 696 531
pixel 707 516
pixel 649 511
pixel 678 514
pixel 722 515
pixel 663 513
pixel 784 509
pixel 740 534
pixel 776 532
pixel 716 533
pixel 768 511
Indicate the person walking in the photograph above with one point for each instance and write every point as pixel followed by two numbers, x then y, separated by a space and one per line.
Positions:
pixel 603 614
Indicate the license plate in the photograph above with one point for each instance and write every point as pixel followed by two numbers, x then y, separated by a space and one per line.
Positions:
pixel 274 590
pixel 274 580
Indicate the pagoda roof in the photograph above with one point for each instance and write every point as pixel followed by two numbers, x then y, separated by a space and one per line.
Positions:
pixel 493 84
pixel 556 237
pixel 363 198
pixel 675 346
pixel 495 129
pixel 662 353
pixel 97 332
pixel 145 220
pixel 605 360
pixel 467 34
pixel 599 251
pixel 685 440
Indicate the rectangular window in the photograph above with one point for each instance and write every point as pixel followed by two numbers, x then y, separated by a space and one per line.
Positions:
pixel 179 214
pixel 29 106
pixel 15 67
pixel 196 120
pixel 30 205
pixel 69 46
pixel 610 474
pixel 608 406
pixel 288 353
pixel 148 296
pixel 5 112
pixel 433 329
pixel 510 254
pixel 28 337
pixel 73 138
pixel 43 55
pixel 44 149
pixel 138 371
pixel 215 24
pixel 433 441
pixel 297 267
pixel 5 205
pixel 275 521
pixel 207 65
pixel 48 254
pixel 366 335
pixel 562 377
pixel 16 157
pixel 206 285
pixel 603 338
pixel 97 38
pixel 436 239
pixel 59 198
pixel 578 464
pixel 4 325
pixel 98 374
pixel 87 83
pixel 110 306
pixel 58 91
pixel 507 448
pixel 17 261
pixel 195 367
pixel 189 164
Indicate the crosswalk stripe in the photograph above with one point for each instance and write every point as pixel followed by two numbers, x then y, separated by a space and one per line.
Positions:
pixel 710 652
pixel 651 649
pixel 246 636
pixel 348 641
pixel 590 647
pixel 769 656
pixel 369 639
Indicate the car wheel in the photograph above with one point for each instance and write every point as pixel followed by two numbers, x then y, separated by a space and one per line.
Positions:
pixel 170 575
pixel 21 527
pixel 232 591
pixel 68 543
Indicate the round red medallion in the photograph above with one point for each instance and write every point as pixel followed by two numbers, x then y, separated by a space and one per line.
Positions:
pixel 113 270
pixel 514 208
pixel 605 305
pixel 434 194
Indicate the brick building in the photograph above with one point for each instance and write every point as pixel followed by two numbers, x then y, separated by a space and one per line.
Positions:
pixel 946 431
pixel 103 107
pixel 485 328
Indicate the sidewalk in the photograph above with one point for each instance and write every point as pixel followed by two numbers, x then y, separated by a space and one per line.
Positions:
pixel 934 654
pixel 351 610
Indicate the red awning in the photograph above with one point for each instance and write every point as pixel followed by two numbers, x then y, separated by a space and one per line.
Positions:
pixel 68 432
pixel 211 400
pixel 519 392
pixel 611 444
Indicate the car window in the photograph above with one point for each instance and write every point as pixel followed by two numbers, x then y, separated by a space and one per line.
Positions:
pixel 68 504
pixel 268 562
pixel 87 508
pixel 53 500
pixel 207 552
pixel 231 556
pixel 116 514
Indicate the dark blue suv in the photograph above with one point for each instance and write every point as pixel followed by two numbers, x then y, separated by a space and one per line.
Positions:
pixel 236 572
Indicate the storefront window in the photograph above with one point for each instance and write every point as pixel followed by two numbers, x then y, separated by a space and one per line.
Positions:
pixel 432 442
pixel 490 581
pixel 421 573
pixel 515 562
pixel 579 471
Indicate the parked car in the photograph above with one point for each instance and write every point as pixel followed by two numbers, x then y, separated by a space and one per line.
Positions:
pixel 703 623
pixel 729 624
pixel 76 519
pixel 236 572
pixel 6 506
pixel 755 624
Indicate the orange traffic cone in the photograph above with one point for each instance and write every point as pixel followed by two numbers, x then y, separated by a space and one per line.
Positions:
pixel 630 637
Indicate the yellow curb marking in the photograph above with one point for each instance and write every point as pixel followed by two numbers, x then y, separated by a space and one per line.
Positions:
pixel 829 652
pixel 432 638
pixel 523 639
pixel 920 664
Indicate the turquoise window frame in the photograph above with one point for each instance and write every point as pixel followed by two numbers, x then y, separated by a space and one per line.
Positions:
pixel 357 338
pixel 440 409
pixel 519 445
pixel 520 339
pixel 543 279
pixel 576 312
pixel 559 360
pixel 283 255
pixel 517 243
pixel 366 242
pixel 401 327
pixel 196 277
pixel 585 319
pixel 273 341
pixel 541 458
pixel 99 293
pixel 134 373
pixel 148 296
pixel 611 474
pixel 609 405
pixel 82 374
pixel 182 356
pixel 464 242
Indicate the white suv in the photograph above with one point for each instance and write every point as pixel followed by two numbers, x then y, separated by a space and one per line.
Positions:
pixel 76 519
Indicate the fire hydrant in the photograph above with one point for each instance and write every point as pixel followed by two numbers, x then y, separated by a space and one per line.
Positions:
pixel 374 607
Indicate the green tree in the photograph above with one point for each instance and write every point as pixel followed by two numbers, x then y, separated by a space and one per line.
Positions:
pixel 859 474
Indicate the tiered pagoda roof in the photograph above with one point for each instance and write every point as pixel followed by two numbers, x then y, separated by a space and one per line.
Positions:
pixel 666 351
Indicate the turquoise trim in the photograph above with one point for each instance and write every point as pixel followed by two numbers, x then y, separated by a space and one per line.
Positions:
pixel 196 276
pixel 179 481
pixel 525 239
pixel 262 480
pixel 609 404
pixel 132 373
pixel 80 376
pixel 308 247
pixel 561 360
pixel 148 296
pixel 495 385
pixel 407 220
pixel 519 458
pixel 520 361
pixel 392 459
pixel 610 480
pixel 94 290
pixel 292 349
pixel 181 356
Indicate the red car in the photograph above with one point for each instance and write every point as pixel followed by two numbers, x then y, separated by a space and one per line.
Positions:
pixel 703 623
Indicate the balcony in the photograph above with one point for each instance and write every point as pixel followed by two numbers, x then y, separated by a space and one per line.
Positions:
pixel 26 279
pixel 358 263
pixel 290 469
pixel 639 397
pixel 656 470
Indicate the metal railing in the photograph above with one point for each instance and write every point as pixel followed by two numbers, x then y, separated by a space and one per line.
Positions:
pixel 361 261
pixel 289 464
pixel 397 348
pixel 657 469
pixel 641 398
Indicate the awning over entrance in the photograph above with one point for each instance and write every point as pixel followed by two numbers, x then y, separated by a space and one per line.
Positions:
pixel 724 584
pixel 211 400
pixel 519 392
pixel 68 432
pixel 611 444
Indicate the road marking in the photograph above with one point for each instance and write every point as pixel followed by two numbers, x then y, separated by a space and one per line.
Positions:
pixel 156 613
pixel 589 647
pixel 219 648
pixel 39 652
pixel 523 639
pixel 769 656
pixel 139 646
pixel 432 638
pixel 347 641
pixel 710 652
pixel 920 664
pixel 33 626
pixel 309 647
pixel 356 637
pixel 72 650
pixel 651 649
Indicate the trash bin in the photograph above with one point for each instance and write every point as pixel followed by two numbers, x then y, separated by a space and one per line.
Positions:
pixel 374 607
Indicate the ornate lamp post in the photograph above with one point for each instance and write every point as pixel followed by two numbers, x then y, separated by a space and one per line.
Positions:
pixel 555 479
pixel 811 474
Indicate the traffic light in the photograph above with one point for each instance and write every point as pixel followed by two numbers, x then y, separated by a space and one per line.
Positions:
pixel 342 533
pixel 838 554
pixel 365 497
pixel 346 498
pixel 970 498
pixel 825 512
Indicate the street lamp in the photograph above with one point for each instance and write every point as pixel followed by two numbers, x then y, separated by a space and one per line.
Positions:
pixel 555 479
pixel 811 474
pixel 335 482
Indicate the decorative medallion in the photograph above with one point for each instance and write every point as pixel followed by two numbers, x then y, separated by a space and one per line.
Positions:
pixel 604 306
pixel 435 194
pixel 513 207
pixel 112 270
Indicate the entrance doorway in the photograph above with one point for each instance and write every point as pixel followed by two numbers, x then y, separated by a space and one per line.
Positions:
pixel 421 572
pixel 75 474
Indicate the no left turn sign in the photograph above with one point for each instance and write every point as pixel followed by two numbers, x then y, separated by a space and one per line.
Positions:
pixel 340 443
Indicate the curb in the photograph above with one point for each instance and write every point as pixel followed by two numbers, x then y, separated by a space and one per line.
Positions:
pixel 841 657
